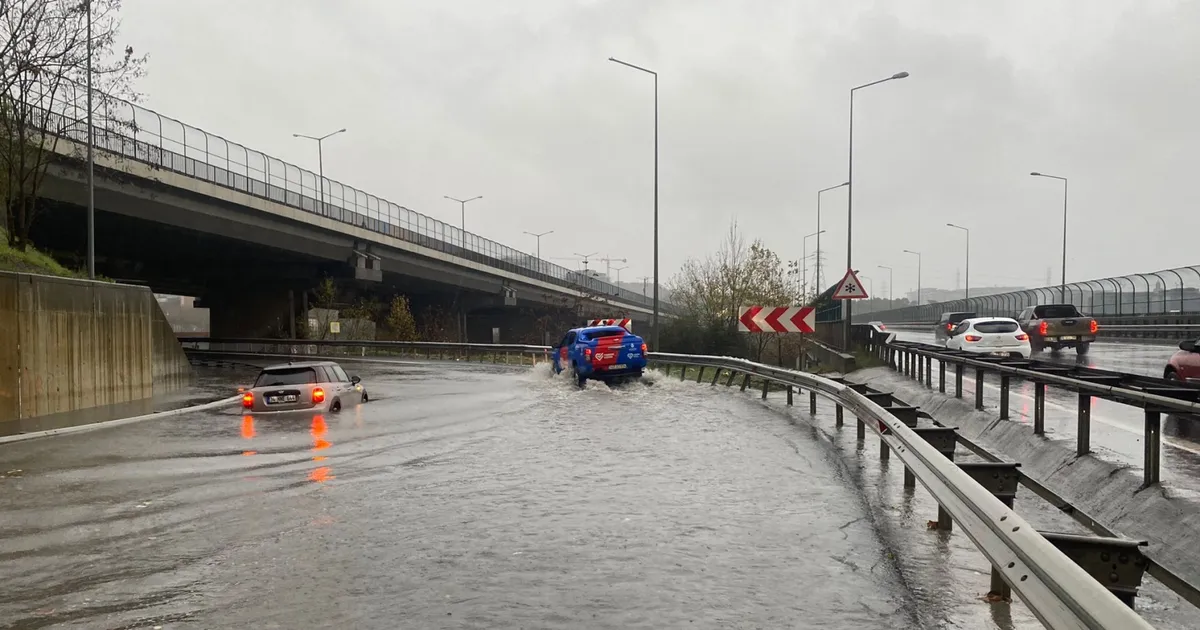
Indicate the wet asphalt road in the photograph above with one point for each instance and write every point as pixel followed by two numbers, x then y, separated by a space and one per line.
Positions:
pixel 462 497
pixel 482 497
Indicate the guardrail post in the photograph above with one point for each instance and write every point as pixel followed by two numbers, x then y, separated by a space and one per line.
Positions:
pixel 929 372
pixel 766 383
pixel 789 395
pixel 958 371
pixel 1153 446
pixel 812 403
pixel 1039 408
pixel 1083 430
pixel 862 430
pixel 979 388
pixel 1004 396
pixel 1117 563
pixel 700 376
pixel 682 372
pixel 745 382
pixel 838 420
pixel 941 376
pixel 667 369
pixel 729 381
pixel 716 375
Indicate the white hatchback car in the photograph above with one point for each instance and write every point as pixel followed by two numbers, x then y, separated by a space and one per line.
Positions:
pixel 998 336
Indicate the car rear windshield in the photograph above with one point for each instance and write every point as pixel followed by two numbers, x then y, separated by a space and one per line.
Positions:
pixel 996 327
pixel 1055 311
pixel 603 332
pixel 286 376
pixel 956 317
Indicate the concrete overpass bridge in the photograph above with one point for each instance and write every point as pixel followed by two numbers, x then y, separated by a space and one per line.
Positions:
pixel 189 212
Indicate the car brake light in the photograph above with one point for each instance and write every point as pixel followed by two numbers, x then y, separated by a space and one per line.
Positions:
pixel 318 395
pixel 1022 337
pixel 1094 326
pixel 949 326
pixel 1043 328
pixel 587 353
pixel 973 338
pixel 248 400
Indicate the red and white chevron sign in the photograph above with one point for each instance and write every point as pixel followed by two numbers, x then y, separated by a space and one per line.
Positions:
pixel 627 324
pixel 784 319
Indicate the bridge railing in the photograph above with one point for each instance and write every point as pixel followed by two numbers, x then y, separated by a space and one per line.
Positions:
pixel 143 135
pixel 1165 292
pixel 1056 589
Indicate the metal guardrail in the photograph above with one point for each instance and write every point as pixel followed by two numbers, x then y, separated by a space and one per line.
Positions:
pixel 1155 395
pixel 1057 590
pixel 1165 332
pixel 365 349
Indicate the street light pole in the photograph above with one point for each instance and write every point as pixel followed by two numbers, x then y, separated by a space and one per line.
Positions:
pixel 91 156
pixel 539 241
pixel 654 340
pixel 918 254
pixel 320 163
pixel 804 262
pixel 891 286
pixel 1062 289
pixel 850 200
pixel 967 284
pixel 817 273
pixel 463 208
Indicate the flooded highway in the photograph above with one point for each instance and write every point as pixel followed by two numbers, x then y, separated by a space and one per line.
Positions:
pixel 462 496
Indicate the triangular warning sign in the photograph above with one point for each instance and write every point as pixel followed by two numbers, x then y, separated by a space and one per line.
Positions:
pixel 850 288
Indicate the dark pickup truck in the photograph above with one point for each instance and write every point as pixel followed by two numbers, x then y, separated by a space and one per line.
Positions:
pixel 1058 326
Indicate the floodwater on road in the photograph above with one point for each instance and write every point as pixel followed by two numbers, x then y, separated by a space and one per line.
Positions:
pixel 479 497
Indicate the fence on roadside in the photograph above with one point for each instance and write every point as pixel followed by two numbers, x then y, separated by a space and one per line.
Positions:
pixel 1166 292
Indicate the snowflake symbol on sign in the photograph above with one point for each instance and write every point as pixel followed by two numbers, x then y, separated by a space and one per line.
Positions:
pixel 851 288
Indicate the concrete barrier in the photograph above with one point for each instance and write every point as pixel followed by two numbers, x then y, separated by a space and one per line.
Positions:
pixel 72 344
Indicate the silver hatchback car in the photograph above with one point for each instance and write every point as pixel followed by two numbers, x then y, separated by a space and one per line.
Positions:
pixel 312 385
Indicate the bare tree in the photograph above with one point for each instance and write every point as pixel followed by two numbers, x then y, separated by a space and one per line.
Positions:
pixel 44 71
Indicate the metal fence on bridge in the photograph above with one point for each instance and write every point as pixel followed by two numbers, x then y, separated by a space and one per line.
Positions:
pixel 137 133
pixel 1164 292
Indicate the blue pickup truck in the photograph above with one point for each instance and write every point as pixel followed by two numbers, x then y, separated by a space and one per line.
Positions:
pixel 600 352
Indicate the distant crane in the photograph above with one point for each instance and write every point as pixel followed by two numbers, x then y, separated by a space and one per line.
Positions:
pixel 583 258
pixel 608 265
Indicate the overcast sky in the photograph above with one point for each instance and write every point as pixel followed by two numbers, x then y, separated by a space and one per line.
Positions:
pixel 514 100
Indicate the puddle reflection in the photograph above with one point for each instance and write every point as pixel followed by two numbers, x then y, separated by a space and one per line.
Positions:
pixel 319 430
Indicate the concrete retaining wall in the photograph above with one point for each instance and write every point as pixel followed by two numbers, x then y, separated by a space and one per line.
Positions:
pixel 68 344
pixel 1111 493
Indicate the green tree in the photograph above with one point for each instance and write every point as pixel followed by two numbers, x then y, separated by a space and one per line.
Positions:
pixel 400 321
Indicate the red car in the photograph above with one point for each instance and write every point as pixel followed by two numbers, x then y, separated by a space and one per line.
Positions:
pixel 1185 364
